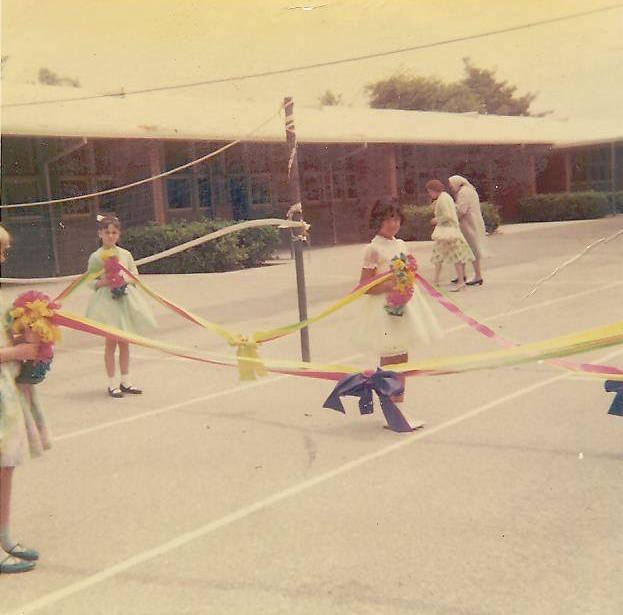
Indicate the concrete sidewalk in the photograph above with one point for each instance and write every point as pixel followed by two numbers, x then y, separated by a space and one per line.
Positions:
pixel 210 495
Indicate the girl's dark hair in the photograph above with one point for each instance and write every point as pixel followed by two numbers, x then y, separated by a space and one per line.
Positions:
pixel 105 221
pixel 383 209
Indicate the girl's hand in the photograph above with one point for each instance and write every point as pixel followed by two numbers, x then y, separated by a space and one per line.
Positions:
pixel 21 352
pixel 433 221
pixel 100 283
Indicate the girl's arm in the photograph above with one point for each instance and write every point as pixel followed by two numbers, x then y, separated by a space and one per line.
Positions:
pixel 370 269
pixel 93 265
pixel 379 289
pixel 132 265
pixel 20 352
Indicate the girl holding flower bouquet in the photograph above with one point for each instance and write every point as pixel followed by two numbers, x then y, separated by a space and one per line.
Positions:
pixel 116 302
pixel 23 431
pixel 395 315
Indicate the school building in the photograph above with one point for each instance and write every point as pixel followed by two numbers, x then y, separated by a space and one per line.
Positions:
pixel 347 157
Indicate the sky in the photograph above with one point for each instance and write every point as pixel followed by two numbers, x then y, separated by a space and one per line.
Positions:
pixel 575 66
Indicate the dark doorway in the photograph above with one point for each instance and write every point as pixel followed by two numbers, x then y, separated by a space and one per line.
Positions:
pixel 239 198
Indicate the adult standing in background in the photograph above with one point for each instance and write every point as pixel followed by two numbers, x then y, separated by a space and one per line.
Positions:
pixel 471 222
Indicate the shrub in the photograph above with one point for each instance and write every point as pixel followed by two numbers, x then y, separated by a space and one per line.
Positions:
pixel 616 202
pixel 417 226
pixel 247 248
pixel 491 216
pixel 564 206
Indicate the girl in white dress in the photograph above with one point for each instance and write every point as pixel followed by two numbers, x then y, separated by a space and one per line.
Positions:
pixel 127 311
pixel 388 335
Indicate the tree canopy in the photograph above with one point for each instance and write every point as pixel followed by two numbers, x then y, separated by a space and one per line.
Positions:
pixel 479 91
pixel 329 99
pixel 48 77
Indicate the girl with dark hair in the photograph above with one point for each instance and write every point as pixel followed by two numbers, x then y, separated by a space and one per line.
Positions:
pixel 117 304
pixel 388 335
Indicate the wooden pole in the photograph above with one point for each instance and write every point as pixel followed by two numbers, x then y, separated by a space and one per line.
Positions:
pixel 296 213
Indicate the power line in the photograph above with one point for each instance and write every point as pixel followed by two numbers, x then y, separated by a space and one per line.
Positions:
pixel 292 69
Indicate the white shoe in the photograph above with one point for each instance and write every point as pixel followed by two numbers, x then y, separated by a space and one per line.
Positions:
pixel 414 423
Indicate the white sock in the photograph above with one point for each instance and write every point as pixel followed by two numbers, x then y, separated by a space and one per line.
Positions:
pixel 112 384
pixel 125 379
pixel 5 538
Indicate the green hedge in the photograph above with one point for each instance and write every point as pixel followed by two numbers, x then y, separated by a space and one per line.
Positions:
pixel 248 248
pixel 616 202
pixel 417 226
pixel 564 206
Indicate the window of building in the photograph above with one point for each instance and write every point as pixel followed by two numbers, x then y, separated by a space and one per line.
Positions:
pixel 311 172
pixel 20 190
pixel 178 193
pixel 260 189
pixel 68 187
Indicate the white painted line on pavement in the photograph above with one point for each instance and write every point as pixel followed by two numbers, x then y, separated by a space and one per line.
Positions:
pixel 181 404
pixel 246 511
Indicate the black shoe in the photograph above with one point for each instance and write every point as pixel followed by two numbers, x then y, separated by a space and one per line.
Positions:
pixel 115 392
pixel 475 282
pixel 454 281
pixel 132 390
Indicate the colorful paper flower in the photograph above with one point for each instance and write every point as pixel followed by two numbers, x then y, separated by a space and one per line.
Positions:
pixel 404 268
pixel 113 275
pixel 31 316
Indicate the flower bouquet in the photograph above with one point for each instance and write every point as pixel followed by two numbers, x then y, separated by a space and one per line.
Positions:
pixel 404 268
pixel 30 320
pixel 114 278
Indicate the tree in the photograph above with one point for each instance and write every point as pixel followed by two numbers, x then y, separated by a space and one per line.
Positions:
pixel 478 91
pixel 48 77
pixel 329 99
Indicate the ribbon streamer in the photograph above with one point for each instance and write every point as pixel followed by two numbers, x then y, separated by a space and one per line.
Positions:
pixel 616 408
pixel 445 302
pixel 549 276
pixel 385 384
pixel 234 228
pixel 583 341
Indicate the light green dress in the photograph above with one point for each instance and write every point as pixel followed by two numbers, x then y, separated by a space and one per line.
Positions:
pixel 23 430
pixel 131 312
pixel 450 245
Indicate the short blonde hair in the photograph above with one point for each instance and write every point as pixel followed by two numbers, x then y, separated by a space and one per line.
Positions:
pixel 5 238
pixel 5 242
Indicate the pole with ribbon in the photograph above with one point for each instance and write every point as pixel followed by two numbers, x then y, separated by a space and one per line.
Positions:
pixel 295 212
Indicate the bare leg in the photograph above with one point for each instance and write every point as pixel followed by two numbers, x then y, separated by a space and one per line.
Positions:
pixel 460 277
pixel 437 274
pixel 124 358
pixel 477 272
pixel 6 483
pixel 109 356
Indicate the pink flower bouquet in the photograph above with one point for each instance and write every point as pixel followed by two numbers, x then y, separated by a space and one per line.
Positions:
pixel 114 278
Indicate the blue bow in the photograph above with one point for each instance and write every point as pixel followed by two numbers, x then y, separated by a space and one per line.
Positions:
pixel 615 386
pixel 384 383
